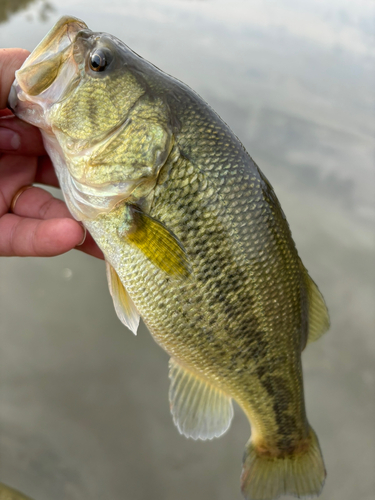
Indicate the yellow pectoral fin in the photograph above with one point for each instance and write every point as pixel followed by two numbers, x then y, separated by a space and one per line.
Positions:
pixel 157 243
pixel 124 306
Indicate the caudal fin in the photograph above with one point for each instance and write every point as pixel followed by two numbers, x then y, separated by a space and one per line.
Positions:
pixel 266 478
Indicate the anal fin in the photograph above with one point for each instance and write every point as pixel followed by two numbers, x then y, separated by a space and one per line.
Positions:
pixel 124 306
pixel 199 409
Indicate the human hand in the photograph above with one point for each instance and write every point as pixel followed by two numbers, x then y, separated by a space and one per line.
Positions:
pixel 37 224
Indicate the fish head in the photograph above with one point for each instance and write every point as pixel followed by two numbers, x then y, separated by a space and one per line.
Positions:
pixel 107 132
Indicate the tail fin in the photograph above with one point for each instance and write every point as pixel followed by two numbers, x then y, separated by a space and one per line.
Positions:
pixel 266 478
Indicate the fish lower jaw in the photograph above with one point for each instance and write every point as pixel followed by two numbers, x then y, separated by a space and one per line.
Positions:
pixel 29 111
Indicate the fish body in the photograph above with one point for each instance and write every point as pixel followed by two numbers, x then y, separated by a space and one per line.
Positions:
pixel 195 241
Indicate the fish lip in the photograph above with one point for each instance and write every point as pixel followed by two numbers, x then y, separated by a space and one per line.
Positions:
pixel 60 36
pixel 59 41
pixel 49 55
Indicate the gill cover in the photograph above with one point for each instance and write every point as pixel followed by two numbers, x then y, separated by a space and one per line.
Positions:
pixel 107 134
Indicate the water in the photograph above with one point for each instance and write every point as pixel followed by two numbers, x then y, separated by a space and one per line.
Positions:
pixel 83 404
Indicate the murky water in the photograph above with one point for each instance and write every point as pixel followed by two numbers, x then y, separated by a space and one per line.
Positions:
pixel 83 404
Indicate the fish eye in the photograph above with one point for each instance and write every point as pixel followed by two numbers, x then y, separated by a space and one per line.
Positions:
pixel 99 60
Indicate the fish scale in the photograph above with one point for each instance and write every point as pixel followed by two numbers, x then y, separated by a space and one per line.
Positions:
pixel 209 303
pixel 196 244
pixel 185 332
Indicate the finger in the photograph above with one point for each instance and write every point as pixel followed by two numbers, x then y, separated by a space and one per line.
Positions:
pixel 36 203
pixel 15 172
pixel 10 61
pixel 45 173
pixel 19 137
pixel 5 112
pixel 29 143
pixel 38 238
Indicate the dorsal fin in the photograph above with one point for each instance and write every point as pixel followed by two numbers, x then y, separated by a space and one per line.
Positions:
pixel 318 312
pixel 124 306
pixel 199 410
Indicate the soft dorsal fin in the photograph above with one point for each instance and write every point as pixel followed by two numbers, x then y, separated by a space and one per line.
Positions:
pixel 199 410
pixel 157 243
pixel 124 306
pixel 318 312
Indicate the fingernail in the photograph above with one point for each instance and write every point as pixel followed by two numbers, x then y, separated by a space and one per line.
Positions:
pixel 84 236
pixel 9 140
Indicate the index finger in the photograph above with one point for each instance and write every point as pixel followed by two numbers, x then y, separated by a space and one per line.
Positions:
pixel 10 61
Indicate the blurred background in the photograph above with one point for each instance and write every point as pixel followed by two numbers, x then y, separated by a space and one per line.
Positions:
pixel 83 403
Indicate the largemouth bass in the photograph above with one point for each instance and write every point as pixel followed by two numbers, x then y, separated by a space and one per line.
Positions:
pixel 195 243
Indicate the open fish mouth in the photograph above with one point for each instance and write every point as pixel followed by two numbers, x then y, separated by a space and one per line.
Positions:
pixel 42 67
pixel 38 75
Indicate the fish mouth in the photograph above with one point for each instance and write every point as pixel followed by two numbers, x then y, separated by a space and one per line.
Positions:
pixel 57 39
pixel 34 89
pixel 42 66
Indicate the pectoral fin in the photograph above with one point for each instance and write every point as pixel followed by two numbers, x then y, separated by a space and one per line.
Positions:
pixel 124 306
pixel 157 243
pixel 199 409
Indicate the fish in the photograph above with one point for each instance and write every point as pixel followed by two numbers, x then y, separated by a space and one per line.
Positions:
pixel 7 493
pixel 195 243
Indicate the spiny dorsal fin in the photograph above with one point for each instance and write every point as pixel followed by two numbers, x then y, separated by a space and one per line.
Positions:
pixel 199 410
pixel 318 312
pixel 124 306
pixel 157 243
